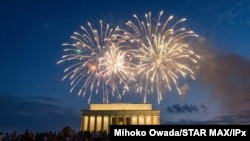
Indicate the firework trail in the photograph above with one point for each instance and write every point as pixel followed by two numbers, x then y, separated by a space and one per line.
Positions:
pixel 163 55
pixel 98 62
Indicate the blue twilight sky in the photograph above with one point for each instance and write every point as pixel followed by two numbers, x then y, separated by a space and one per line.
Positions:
pixel 33 97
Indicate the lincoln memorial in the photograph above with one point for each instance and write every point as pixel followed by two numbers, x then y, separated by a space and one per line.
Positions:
pixel 100 116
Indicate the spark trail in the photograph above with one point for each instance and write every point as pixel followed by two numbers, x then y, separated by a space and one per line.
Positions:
pixel 164 54
pixel 98 62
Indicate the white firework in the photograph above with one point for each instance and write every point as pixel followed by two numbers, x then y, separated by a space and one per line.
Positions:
pixel 98 62
pixel 164 54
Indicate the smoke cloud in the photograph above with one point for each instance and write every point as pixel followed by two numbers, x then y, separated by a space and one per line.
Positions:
pixel 228 78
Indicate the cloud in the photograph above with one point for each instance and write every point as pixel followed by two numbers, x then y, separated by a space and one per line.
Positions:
pixel 227 77
pixel 242 119
pixel 186 108
pixel 35 113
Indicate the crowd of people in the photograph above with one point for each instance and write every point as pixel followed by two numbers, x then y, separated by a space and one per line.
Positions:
pixel 55 136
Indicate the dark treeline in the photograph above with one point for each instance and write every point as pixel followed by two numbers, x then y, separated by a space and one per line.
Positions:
pixel 67 134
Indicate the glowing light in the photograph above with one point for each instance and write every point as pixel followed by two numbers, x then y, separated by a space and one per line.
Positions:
pixel 92 67
pixel 154 54
pixel 98 62
pixel 164 55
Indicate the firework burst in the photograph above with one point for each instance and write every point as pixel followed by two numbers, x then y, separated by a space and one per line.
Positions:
pixel 99 62
pixel 164 55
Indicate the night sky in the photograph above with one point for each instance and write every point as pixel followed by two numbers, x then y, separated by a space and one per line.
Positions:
pixel 33 97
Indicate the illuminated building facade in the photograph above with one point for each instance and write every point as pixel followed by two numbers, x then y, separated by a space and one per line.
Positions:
pixel 100 116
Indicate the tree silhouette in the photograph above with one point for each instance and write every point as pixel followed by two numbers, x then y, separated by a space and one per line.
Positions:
pixel 68 131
